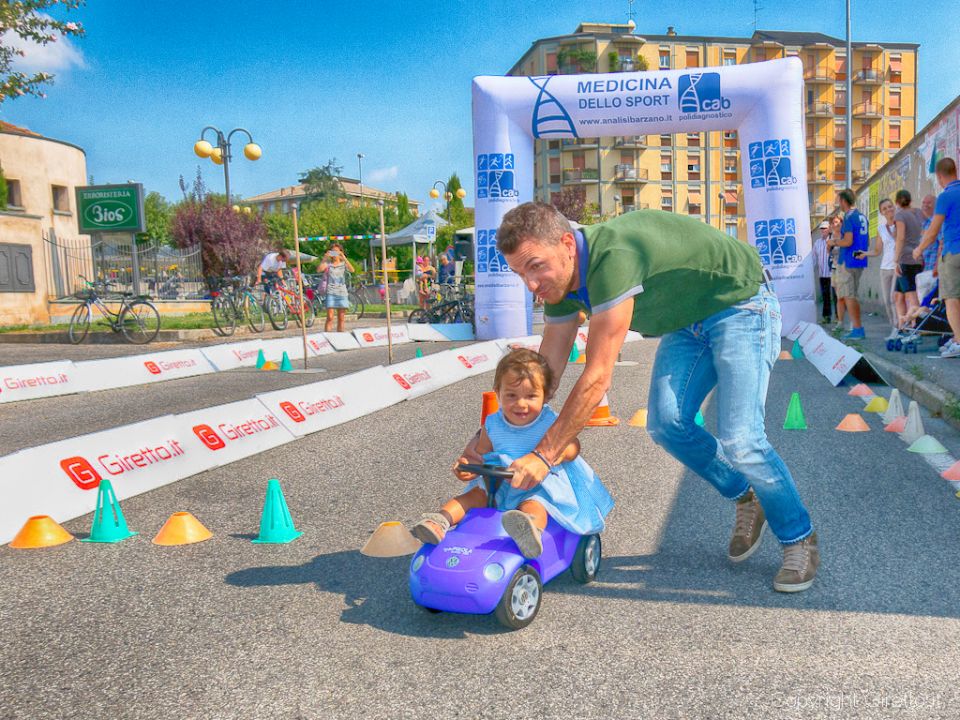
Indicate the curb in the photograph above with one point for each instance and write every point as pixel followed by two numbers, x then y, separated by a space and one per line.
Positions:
pixel 933 397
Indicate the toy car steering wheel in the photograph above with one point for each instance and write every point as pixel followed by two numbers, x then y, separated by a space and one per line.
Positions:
pixel 492 473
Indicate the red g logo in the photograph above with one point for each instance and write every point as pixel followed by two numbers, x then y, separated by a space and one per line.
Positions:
pixel 81 472
pixel 401 381
pixel 466 363
pixel 315 345
pixel 368 337
pixel 152 367
pixel 292 410
pixel 209 437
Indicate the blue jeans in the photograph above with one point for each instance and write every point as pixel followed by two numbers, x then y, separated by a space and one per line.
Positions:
pixel 733 351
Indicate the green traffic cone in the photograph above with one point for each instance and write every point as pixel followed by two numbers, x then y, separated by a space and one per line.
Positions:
pixel 797 351
pixel 419 353
pixel 109 525
pixel 276 525
pixel 795 419
pixel 285 365
pixel 699 419
pixel 261 360
pixel 574 354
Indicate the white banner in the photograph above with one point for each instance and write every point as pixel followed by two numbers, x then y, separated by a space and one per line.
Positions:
pixel 319 344
pixel 830 356
pixel 308 408
pixel 274 348
pixel 342 340
pixel 377 336
pixel 27 382
pixel 421 332
pixel 530 342
pixel 797 330
pixel 423 375
pixel 140 369
pixel 225 433
pixel 231 356
pixel 479 357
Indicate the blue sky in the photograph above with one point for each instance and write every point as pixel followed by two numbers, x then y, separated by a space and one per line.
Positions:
pixel 320 80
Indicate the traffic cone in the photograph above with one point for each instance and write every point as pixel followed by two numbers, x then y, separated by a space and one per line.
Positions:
pixel 391 539
pixel 860 390
pixel 785 355
pixel 109 525
pixel 182 528
pixel 419 352
pixel 639 419
pixel 927 445
pixel 896 425
pixel 269 365
pixel 698 419
pixel 878 404
pixel 574 353
pixel 795 419
pixel 261 360
pixel 853 423
pixel 40 531
pixel 285 365
pixel 796 350
pixel 894 407
pixel 276 525
pixel 489 406
pixel 952 473
pixel 601 415
pixel 913 430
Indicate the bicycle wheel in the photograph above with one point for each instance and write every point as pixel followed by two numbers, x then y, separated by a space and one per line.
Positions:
pixel 276 311
pixel 139 322
pixel 224 314
pixel 308 314
pixel 418 316
pixel 79 324
pixel 253 312
pixel 356 300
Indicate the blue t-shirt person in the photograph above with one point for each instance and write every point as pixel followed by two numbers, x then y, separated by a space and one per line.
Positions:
pixel 855 223
pixel 948 205
pixel 449 269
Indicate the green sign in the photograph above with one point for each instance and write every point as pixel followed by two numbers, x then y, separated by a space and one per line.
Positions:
pixel 110 208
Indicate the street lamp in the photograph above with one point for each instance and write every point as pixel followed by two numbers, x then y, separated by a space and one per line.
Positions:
pixel 447 195
pixel 220 153
pixel 360 157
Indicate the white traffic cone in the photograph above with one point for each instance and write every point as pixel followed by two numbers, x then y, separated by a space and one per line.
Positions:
pixel 914 428
pixel 894 408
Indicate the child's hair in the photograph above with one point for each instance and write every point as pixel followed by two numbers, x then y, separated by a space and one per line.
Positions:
pixel 525 364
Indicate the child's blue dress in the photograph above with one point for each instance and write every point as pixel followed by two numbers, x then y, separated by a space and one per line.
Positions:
pixel 572 493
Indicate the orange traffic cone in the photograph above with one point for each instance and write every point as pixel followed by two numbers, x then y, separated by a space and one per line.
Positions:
pixel 853 423
pixel 489 407
pixel 860 390
pixel 391 539
pixel 270 365
pixel 601 415
pixel 581 359
pixel 639 418
pixel 952 473
pixel 182 528
pixel 785 355
pixel 40 531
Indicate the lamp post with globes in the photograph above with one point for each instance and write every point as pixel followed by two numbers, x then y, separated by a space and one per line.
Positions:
pixel 220 153
pixel 447 195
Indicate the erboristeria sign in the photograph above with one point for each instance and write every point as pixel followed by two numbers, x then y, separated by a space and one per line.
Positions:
pixel 762 102
pixel 110 208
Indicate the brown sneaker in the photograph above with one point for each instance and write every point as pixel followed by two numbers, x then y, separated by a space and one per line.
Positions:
pixel 748 528
pixel 800 563
pixel 432 529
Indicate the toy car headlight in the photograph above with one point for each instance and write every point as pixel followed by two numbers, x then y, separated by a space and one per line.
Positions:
pixel 493 572
pixel 417 563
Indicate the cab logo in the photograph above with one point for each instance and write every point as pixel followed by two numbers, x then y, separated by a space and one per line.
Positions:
pixel 293 411
pixel 208 436
pixel 152 367
pixel 777 241
pixel 770 164
pixel 495 176
pixel 401 381
pixel 81 472
pixel 700 93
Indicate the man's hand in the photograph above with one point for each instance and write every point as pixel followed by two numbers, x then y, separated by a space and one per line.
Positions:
pixel 528 472
pixel 917 253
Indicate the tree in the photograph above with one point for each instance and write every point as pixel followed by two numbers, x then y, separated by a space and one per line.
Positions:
pixel 231 242
pixel 28 21
pixel 322 183
pixel 158 214
pixel 570 203
pixel 4 190
pixel 404 216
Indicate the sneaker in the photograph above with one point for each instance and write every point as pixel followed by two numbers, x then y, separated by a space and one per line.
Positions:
pixel 894 334
pixel 856 333
pixel 519 526
pixel 952 350
pixel 800 562
pixel 431 529
pixel 748 528
pixel 947 345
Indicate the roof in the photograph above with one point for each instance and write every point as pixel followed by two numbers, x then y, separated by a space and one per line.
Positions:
pixel 350 186
pixel 17 130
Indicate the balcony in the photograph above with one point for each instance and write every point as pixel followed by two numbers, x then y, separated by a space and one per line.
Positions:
pixel 868 109
pixel 868 76
pixel 869 143
pixel 580 177
pixel 817 179
pixel 820 109
pixel 579 143
pixel 820 76
pixel 635 206
pixel 630 174
pixel 632 141
pixel 819 142
pixel 860 176
pixel 820 210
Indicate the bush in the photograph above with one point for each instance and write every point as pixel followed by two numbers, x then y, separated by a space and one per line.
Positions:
pixel 231 242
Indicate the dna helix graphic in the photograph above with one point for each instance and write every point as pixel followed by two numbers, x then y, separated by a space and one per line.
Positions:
pixel 549 116
pixel 689 98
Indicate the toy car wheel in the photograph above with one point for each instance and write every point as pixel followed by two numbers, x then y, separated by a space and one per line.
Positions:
pixel 521 600
pixel 586 560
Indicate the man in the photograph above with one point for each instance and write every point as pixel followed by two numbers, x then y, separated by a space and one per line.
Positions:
pixel 273 264
pixel 448 266
pixel 706 293
pixel 946 216
pixel 932 253
pixel 854 242
pixel 824 271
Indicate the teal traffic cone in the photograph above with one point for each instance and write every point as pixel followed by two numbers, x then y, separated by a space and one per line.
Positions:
pixel 574 354
pixel 797 351
pixel 276 525
pixel 109 525
pixel 699 419
pixel 285 365
pixel 261 360
pixel 419 353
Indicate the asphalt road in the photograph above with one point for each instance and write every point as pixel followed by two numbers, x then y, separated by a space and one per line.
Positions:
pixel 227 629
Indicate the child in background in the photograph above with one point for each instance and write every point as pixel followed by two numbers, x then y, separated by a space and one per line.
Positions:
pixel 571 494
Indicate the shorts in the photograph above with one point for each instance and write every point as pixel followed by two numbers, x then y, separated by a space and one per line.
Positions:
pixel 949 268
pixel 338 302
pixel 848 281
pixel 907 280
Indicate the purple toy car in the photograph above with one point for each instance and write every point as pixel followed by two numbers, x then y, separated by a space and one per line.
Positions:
pixel 478 569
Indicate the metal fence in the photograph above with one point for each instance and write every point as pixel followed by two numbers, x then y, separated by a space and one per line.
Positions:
pixel 161 271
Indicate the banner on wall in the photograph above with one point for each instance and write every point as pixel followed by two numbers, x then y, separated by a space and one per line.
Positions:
pixel 141 369
pixel 319 345
pixel 37 380
pixel 342 340
pixel 231 356
pixel 420 376
pixel 478 358
pixel 762 102
pixel 377 336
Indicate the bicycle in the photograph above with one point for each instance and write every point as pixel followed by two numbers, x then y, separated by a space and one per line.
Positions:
pixel 138 319
pixel 234 303
pixel 458 310
pixel 279 302
pixel 318 299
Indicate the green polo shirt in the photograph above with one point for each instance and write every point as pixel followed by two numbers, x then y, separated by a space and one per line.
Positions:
pixel 677 269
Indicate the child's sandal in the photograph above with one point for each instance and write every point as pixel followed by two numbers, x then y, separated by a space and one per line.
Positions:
pixel 431 529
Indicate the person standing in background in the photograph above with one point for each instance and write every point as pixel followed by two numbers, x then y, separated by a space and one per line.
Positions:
pixel 822 255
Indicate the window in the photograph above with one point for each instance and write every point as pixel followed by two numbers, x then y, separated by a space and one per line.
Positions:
pixel 554 170
pixel 551 63
pixel 840 98
pixel 553 145
pixel 729 57
pixel 693 58
pixel 626 157
pixel 693 139
pixel 16 268
pixel 895 102
pixel 666 140
pixel 664 59
pixel 61 198
pixel 666 202
pixel 579 160
pixel 840 65
pixel 729 134
pixel 894 134
pixel 809 98
pixel 14 197
pixel 666 164
pixel 731 229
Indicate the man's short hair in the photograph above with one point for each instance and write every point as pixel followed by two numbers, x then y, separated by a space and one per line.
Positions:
pixel 903 198
pixel 283 252
pixel 946 167
pixel 847 196
pixel 537 220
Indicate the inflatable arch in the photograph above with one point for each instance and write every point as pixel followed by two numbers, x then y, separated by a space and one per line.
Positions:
pixel 763 102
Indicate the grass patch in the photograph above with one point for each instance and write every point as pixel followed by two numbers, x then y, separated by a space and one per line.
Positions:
pixel 951 408
pixel 917 371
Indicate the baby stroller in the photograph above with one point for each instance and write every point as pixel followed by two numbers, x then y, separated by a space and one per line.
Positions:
pixel 932 323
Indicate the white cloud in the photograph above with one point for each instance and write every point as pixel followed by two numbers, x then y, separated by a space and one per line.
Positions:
pixel 382 175
pixel 59 55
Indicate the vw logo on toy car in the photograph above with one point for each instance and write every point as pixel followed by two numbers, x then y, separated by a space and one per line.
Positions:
pixel 453 561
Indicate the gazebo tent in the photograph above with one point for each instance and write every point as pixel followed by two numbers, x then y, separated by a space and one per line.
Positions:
pixel 423 230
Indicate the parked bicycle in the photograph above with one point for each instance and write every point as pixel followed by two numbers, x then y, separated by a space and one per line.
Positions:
pixel 233 303
pixel 137 319
pixel 458 309
pixel 314 289
pixel 280 302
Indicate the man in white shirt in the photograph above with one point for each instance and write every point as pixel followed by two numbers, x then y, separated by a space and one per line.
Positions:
pixel 273 263
pixel 822 255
